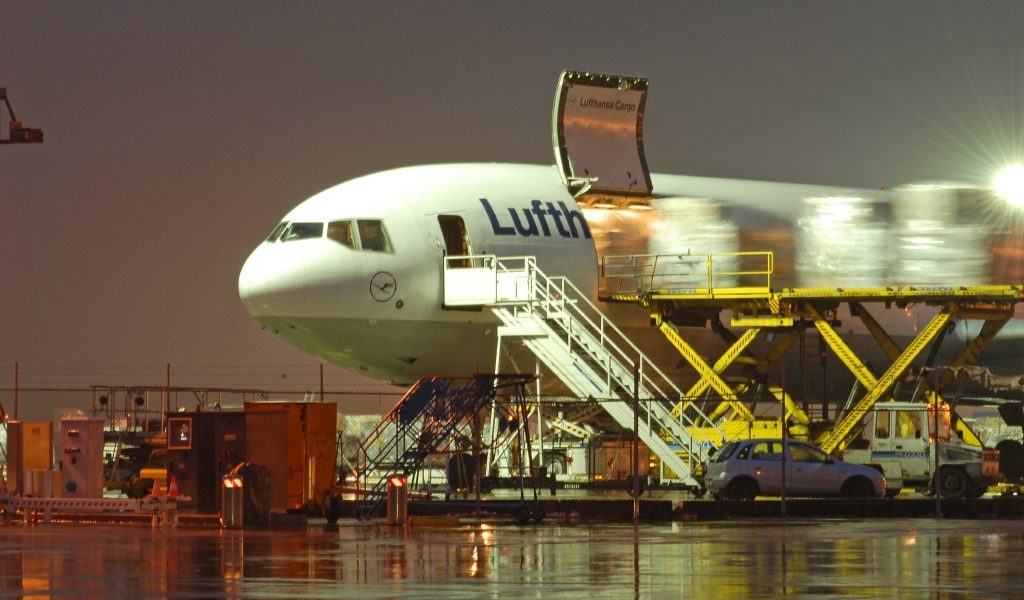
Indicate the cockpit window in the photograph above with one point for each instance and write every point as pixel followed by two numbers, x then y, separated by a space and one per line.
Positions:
pixel 276 233
pixel 373 237
pixel 302 231
pixel 341 232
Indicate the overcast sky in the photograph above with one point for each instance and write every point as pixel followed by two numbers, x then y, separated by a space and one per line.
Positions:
pixel 179 133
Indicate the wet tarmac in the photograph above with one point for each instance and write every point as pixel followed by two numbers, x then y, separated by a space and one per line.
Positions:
pixel 754 558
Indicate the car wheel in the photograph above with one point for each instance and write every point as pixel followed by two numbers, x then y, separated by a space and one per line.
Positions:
pixel 857 487
pixel 953 483
pixel 741 489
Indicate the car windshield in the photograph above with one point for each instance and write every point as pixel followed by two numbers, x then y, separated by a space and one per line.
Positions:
pixel 724 452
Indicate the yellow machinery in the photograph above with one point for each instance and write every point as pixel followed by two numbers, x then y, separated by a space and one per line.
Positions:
pixel 677 297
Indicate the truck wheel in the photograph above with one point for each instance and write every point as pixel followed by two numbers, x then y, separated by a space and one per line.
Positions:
pixel 953 483
pixel 555 464
pixel 1011 460
pixel 976 491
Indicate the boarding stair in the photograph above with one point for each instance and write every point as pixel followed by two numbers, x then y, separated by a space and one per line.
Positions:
pixel 432 414
pixel 587 352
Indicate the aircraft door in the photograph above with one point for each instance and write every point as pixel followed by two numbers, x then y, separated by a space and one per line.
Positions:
pixel 456 238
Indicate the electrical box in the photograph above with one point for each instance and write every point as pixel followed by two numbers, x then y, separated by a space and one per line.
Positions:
pixel 29 448
pixel 577 463
pixel 202 447
pixel 612 460
pixel 296 441
pixel 81 456
pixel 607 462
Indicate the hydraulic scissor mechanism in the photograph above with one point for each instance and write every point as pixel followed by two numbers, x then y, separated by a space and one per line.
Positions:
pixel 766 323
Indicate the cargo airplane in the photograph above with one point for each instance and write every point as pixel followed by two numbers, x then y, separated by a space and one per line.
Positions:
pixel 353 275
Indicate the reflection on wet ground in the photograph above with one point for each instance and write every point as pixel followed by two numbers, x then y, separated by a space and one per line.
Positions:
pixel 912 558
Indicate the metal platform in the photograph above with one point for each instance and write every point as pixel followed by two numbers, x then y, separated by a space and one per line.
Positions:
pixel 681 292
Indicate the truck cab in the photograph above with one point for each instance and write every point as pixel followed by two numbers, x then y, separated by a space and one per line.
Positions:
pixel 901 438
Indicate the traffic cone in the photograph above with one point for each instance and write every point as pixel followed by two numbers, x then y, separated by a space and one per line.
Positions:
pixel 156 491
pixel 172 491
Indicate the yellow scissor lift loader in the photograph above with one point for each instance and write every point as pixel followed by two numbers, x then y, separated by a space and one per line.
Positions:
pixel 674 302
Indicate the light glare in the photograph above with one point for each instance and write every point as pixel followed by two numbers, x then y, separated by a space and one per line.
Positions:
pixel 1009 183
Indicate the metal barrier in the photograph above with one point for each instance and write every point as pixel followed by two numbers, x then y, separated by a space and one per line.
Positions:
pixel 164 510
pixel 232 501
pixel 398 501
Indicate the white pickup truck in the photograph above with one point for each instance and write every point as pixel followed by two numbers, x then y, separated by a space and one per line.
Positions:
pixel 897 439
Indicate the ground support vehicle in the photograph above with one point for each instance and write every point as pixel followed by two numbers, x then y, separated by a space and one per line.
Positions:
pixel 901 439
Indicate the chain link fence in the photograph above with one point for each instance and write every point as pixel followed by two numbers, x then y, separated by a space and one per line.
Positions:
pixel 907 441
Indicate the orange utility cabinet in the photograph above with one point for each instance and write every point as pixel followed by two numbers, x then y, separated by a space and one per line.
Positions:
pixel 296 441
pixel 29 448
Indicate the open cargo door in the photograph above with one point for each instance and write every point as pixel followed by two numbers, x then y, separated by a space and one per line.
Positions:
pixel 597 131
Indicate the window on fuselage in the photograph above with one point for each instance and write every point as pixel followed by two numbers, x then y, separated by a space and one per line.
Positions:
pixel 373 236
pixel 276 233
pixel 341 232
pixel 302 231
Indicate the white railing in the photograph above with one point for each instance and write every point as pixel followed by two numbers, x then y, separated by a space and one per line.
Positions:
pixel 716 273
pixel 516 286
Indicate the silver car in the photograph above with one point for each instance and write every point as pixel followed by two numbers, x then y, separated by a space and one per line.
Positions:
pixel 745 469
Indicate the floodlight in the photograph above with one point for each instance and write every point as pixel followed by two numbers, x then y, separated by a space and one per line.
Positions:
pixel 1009 183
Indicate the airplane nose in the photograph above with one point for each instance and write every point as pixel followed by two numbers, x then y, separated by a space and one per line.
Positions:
pixel 271 285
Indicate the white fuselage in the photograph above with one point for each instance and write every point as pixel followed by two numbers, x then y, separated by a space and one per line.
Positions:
pixel 354 274
pixel 380 312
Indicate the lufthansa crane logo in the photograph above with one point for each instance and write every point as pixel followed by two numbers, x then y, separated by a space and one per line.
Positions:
pixel 383 286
